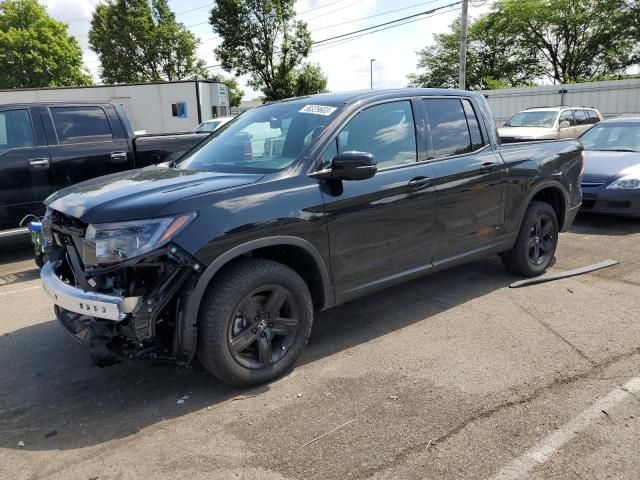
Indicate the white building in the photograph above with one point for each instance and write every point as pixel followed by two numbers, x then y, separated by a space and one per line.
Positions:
pixel 156 107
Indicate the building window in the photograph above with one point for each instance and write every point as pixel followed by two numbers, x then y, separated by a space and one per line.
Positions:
pixel 179 109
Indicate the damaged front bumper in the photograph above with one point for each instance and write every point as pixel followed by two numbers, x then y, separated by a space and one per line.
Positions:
pixel 76 300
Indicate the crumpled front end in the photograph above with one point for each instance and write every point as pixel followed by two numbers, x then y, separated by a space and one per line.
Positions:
pixel 130 308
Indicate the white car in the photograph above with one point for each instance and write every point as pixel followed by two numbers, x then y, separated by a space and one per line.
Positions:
pixel 547 123
pixel 213 124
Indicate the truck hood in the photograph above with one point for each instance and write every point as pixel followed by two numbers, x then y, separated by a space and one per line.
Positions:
pixel 528 132
pixel 138 194
pixel 602 166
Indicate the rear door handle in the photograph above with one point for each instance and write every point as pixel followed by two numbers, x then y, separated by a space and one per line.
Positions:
pixel 419 182
pixel 488 166
pixel 119 156
pixel 39 163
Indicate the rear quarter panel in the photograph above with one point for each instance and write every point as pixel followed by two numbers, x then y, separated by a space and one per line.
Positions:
pixel 533 166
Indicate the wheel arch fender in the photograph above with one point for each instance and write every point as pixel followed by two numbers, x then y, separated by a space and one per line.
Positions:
pixel 187 322
pixel 544 185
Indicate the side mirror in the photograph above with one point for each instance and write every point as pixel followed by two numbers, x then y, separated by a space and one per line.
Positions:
pixel 349 166
pixel 564 124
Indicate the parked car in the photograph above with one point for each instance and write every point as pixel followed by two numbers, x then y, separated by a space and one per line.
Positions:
pixel 48 146
pixel 546 123
pixel 611 183
pixel 213 124
pixel 229 256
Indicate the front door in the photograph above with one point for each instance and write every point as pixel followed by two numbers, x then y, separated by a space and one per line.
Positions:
pixel 569 131
pixel 25 173
pixel 468 178
pixel 380 228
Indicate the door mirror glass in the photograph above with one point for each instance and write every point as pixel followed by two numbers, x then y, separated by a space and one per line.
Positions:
pixel 565 124
pixel 349 166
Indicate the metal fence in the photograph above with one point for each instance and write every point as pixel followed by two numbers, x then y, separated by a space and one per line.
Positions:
pixel 612 98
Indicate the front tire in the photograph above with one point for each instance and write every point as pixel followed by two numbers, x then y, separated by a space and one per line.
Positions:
pixel 535 247
pixel 254 322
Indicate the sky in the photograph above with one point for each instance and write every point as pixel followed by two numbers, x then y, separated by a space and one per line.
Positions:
pixel 346 64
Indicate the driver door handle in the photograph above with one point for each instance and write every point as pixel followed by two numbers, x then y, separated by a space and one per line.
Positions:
pixel 119 156
pixel 419 182
pixel 39 163
pixel 489 166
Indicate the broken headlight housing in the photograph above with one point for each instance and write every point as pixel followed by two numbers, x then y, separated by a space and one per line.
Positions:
pixel 120 241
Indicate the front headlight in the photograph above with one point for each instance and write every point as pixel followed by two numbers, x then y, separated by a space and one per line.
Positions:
pixel 116 242
pixel 630 182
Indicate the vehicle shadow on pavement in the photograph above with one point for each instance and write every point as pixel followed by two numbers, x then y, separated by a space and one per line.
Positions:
pixel 51 397
pixel 594 224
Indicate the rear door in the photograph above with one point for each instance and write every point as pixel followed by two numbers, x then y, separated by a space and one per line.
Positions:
pixel 25 173
pixel 87 141
pixel 380 228
pixel 468 178
pixel 583 121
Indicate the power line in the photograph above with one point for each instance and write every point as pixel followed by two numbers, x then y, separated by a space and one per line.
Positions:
pixel 336 43
pixel 433 10
pixel 376 15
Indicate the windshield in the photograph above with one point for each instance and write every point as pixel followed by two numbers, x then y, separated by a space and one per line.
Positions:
pixel 618 136
pixel 544 118
pixel 262 140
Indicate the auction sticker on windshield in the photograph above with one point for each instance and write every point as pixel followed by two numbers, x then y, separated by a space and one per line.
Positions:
pixel 318 109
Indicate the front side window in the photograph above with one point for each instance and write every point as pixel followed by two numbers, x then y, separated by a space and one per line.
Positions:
pixel 567 116
pixel 448 127
pixel 15 129
pixel 264 139
pixel 387 131
pixel 81 124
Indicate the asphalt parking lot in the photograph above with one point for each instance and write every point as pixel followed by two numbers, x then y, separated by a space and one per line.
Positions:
pixel 449 376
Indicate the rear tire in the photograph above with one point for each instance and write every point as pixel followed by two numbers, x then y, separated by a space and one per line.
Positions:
pixel 254 322
pixel 535 247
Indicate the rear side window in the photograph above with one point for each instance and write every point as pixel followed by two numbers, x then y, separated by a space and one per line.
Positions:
pixel 593 116
pixel 15 129
pixel 581 117
pixel 81 124
pixel 387 131
pixel 448 126
pixel 474 126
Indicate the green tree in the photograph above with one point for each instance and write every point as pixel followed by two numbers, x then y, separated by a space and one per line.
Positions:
pixel 235 92
pixel 140 40
pixel 36 50
pixel 263 39
pixel 518 42
pixel 572 40
pixel 310 79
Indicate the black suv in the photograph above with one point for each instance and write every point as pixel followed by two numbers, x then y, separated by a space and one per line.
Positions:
pixel 294 207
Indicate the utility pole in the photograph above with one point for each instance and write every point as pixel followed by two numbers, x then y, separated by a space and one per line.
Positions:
pixel 371 69
pixel 462 74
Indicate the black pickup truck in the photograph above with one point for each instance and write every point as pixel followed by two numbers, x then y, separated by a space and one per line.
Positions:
pixel 48 146
pixel 295 207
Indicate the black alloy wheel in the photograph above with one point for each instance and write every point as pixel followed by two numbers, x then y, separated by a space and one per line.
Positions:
pixel 254 322
pixel 534 249
pixel 263 327
pixel 542 240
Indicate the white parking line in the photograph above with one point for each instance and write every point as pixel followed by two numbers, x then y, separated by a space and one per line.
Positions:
pixel 21 290
pixel 539 454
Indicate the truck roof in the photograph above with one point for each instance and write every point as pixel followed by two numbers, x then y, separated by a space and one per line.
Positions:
pixel 359 95
pixel 57 103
